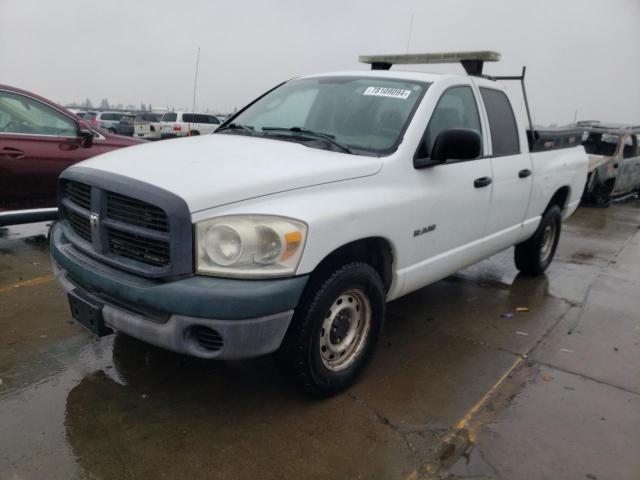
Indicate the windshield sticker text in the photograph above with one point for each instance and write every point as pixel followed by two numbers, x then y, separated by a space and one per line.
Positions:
pixel 387 92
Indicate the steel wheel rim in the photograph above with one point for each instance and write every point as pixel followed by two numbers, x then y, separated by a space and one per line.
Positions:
pixel 548 238
pixel 345 329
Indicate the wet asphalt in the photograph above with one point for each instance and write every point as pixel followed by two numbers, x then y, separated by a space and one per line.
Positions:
pixel 462 384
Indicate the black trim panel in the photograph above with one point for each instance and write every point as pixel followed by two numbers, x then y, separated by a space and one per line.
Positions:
pixel 180 233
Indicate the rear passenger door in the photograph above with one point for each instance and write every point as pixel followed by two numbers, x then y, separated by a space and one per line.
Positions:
pixel 628 175
pixel 512 168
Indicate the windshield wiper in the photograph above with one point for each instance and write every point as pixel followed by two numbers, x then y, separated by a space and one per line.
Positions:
pixel 236 127
pixel 310 133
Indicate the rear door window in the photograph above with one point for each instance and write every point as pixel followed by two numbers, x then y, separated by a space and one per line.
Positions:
pixel 169 117
pixel 597 143
pixel 502 122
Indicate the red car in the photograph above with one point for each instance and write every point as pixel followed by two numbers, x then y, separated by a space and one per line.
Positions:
pixel 38 140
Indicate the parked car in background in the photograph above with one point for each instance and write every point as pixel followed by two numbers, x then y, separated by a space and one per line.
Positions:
pixel 147 125
pixel 82 113
pixel 125 125
pixel 292 225
pixel 105 120
pixel 182 124
pixel 614 161
pixel 38 140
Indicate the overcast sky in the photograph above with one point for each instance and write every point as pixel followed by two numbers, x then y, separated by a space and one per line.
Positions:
pixel 581 54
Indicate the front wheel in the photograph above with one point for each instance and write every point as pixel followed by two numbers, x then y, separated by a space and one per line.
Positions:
pixel 533 256
pixel 334 330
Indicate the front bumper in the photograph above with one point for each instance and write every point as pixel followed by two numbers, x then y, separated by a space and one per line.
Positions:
pixel 250 316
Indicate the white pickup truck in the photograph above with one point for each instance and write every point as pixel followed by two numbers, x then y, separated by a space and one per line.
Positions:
pixel 291 226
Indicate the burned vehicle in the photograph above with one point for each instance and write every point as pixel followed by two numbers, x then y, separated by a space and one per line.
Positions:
pixel 614 161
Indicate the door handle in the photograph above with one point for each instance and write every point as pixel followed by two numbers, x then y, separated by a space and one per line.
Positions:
pixel 10 152
pixel 482 182
pixel 524 173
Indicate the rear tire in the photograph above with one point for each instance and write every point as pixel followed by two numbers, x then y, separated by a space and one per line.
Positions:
pixel 334 329
pixel 534 255
pixel 601 195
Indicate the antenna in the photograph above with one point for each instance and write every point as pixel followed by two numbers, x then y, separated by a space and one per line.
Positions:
pixel 195 84
pixel 409 37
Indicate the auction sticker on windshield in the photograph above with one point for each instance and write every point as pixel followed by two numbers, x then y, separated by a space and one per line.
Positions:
pixel 387 92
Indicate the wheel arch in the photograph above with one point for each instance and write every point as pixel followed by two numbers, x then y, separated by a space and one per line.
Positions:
pixel 376 251
pixel 560 198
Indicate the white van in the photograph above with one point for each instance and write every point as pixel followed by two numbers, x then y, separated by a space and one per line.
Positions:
pixel 183 124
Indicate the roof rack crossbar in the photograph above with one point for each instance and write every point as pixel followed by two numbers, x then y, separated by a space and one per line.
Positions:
pixel 472 62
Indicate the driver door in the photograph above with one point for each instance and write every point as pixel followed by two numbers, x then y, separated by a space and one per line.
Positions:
pixel 37 142
pixel 451 217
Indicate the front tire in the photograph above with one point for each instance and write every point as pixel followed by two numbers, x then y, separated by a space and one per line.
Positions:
pixel 533 256
pixel 334 329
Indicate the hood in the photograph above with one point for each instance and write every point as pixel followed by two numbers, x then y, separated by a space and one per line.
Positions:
pixel 112 140
pixel 213 170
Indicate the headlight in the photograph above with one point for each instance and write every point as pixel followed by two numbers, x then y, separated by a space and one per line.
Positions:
pixel 250 246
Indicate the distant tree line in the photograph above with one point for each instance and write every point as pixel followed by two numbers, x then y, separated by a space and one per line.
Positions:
pixel 106 105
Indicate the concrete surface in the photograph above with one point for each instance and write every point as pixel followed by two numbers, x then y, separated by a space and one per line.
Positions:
pixel 456 389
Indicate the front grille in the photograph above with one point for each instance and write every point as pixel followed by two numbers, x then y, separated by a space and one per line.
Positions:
pixel 136 212
pixel 78 193
pixel 138 247
pixel 137 228
pixel 79 224
pixel 207 338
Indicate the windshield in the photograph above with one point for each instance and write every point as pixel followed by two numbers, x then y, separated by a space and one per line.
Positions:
pixel 596 143
pixel 361 114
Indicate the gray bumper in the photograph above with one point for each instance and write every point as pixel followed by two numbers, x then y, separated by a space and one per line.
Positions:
pixel 246 318
pixel 239 338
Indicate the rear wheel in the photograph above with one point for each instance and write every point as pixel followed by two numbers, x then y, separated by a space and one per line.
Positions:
pixel 533 256
pixel 601 195
pixel 334 330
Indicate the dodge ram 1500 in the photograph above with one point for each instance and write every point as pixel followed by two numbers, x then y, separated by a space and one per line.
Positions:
pixel 289 228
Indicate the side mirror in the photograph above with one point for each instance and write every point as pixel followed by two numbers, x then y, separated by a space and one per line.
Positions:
pixel 457 144
pixel 85 134
pixel 451 144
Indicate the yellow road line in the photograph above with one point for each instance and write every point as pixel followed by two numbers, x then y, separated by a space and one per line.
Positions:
pixel 32 282
pixel 465 422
